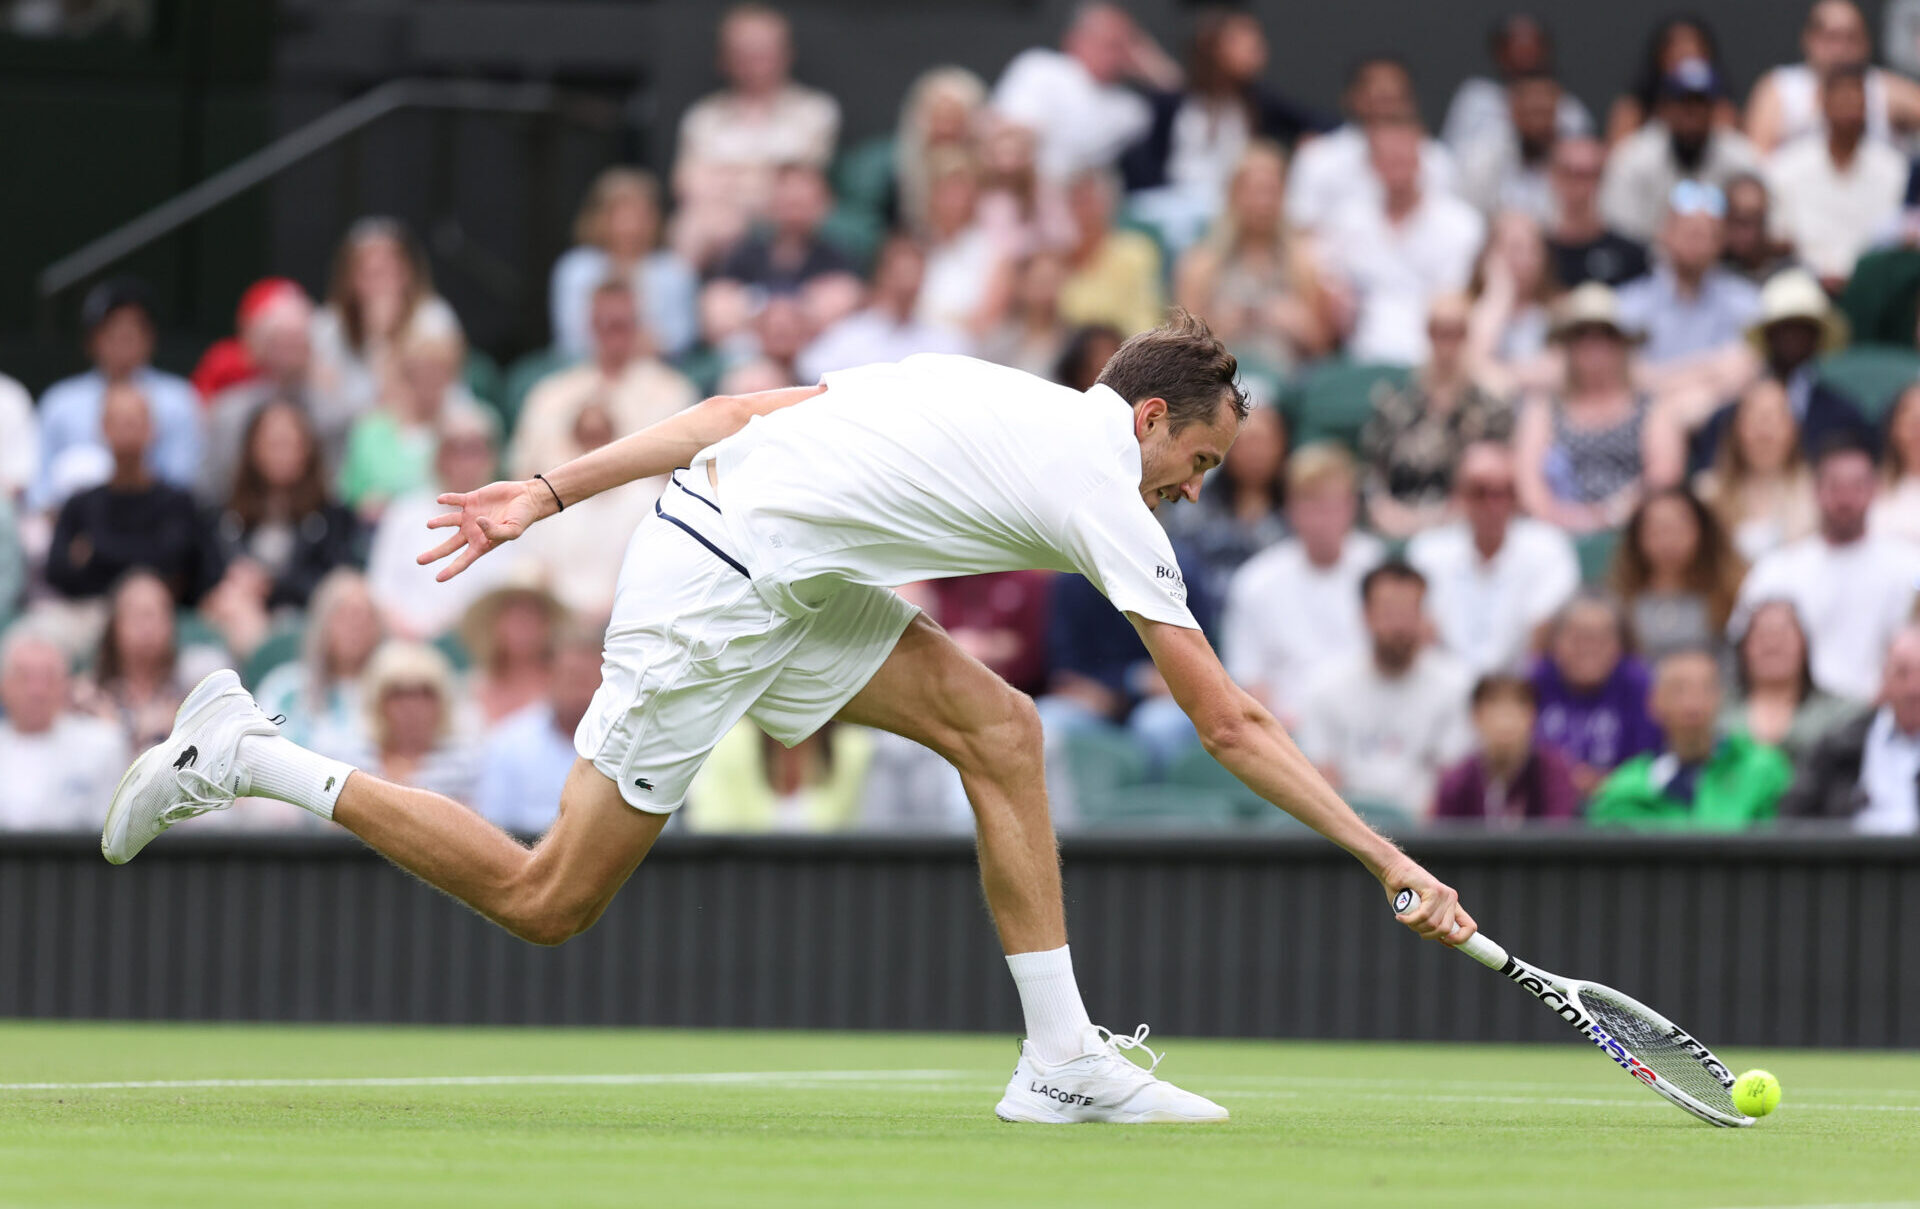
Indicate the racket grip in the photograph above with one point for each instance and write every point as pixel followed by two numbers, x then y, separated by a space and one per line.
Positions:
pixel 1477 946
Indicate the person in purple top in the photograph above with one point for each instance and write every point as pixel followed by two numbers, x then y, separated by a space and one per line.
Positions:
pixel 1511 776
pixel 1592 694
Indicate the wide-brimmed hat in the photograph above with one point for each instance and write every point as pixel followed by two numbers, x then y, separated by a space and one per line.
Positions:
pixel 1793 294
pixel 1591 305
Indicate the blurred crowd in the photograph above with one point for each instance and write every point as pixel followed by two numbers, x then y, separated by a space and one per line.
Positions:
pixel 1583 484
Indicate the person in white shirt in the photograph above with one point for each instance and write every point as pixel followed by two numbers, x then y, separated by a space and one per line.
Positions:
pixel 763 589
pixel 1838 191
pixel 1394 256
pixel 1681 143
pixel 1333 173
pixel 60 765
pixel 1383 725
pixel 1506 168
pixel 1854 590
pixel 1785 104
pixel 1493 578
pixel 1866 771
pixel 1520 46
pixel 1075 99
pixel 530 752
pixel 1296 605
pixel 19 439
pixel 889 329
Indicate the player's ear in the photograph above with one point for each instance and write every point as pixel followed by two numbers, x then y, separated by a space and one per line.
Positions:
pixel 1149 414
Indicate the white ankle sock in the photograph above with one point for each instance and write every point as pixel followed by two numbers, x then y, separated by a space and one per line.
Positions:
pixel 1057 1021
pixel 280 768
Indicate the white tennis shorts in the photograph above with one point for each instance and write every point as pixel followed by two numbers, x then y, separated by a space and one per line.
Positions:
pixel 692 648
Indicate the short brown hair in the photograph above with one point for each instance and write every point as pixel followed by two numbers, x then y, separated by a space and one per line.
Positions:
pixel 1183 362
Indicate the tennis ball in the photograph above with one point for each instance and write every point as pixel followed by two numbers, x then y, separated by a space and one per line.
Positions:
pixel 1756 1093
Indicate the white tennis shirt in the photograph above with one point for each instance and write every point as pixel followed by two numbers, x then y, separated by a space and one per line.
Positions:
pixel 938 466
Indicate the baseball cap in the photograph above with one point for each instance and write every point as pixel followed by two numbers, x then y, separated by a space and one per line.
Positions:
pixel 109 296
pixel 1691 78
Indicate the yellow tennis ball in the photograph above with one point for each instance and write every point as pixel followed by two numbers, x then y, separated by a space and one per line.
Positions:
pixel 1756 1093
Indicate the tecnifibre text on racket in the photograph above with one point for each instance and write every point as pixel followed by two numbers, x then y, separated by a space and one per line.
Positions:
pixel 1639 1040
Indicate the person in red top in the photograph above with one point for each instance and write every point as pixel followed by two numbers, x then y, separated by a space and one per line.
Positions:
pixel 229 361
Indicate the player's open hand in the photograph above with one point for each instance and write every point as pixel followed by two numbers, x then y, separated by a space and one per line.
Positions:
pixel 483 519
pixel 1436 912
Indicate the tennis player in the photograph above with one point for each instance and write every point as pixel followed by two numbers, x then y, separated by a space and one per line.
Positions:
pixel 762 587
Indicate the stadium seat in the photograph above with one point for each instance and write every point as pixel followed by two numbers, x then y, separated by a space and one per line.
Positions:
pixel 1384 817
pixel 522 376
pixel 1595 551
pixel 1159 806
pixel 1332 402
pixel 1100 762
pixel 1882 297
pixel 863 176
pixel 449 644
pixel 482 374
pixel 1195 769
pixel 1872 375
pixel 280 647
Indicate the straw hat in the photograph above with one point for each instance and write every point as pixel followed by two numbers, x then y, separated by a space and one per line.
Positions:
pixel 1793 294
pixel 1591 305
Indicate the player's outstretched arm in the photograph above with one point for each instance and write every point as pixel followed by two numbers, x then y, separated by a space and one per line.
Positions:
pixel 500 512
pixel 1243 736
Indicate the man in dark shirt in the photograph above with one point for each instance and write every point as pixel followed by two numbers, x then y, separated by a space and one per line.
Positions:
pixel 133 520
pixel 789 253
pixel 1582 246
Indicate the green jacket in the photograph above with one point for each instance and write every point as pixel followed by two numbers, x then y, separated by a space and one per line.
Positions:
pixel 1739 785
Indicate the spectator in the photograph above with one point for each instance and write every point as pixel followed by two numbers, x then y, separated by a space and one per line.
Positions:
pixel 968 267
pixel 1584 248
pixel 1333 173
pixel 1837 192
pixel 733 141
pixel 1689 308
pixel 1513 309
pixel 1681 144
pixel 944 111
pixel 1896 513
pixel 390 449
pixel 117 317
pixel 1075 99
pixel 1677 575
pixel 379 294
pixel 60 765
pixel 1675 41
pixel 617 238
pixel 1416 433
pixel 1750 248
pixel 1592 692
pixel 1113 276
pixel 1796 325
pixel 1759 485
pixel 1026 212
pixel 19 440
pixel 1295 606
pixel 1507 168
pixel 412 736
pixel 1032 336
pixel 281 339
pixel 232 360
pixel 1511 777
pixel 319 693
pixel 751 783
pixel 281 518
pixel 1587 455
pixel 1001 620
pixel 529 753
pixel 1239 512
pixel 887 330
pixel 1381 726
pixel 1785 104
pixel 1252 278
pixel 1493 578
pixel 782 330
pixel 1087 352
pixel 1697 778
pixel 1778 703
pixel 138 680
pixel 1178 173
pixel 1520 47
pixel 789 253
pixel 1393 255
pixel 1854 589
pixel 412 604
pixel 1867 771
pixel 132 520
pixel 510 634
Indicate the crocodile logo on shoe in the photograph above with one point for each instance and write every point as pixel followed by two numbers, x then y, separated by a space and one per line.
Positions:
pixel 187 758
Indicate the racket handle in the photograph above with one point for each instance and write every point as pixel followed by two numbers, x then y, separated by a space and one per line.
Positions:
pixel 1477 946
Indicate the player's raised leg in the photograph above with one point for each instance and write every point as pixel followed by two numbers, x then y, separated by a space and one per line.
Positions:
pixel 932 692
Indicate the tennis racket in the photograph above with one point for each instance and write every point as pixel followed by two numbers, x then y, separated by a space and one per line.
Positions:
pixel 1639 1040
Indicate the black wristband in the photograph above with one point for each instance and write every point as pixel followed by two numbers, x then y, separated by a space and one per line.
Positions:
pixel 557 502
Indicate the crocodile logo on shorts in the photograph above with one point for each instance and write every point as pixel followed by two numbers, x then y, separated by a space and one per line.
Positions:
pixel 643 783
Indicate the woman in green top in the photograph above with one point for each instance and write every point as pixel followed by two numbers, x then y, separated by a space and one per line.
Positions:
pixel 390 449
pixel 1778 704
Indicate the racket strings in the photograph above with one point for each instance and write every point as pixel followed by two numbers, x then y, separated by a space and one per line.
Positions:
pixel 1653 1043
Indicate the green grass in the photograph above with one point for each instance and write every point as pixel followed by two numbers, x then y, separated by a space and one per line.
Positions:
pixel 856 1120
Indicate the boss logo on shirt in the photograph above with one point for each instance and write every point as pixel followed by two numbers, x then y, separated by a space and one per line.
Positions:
pixel 1170 579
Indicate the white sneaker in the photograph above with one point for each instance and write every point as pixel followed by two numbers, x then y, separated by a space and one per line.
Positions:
pixel 196 770
pixel 1102 1084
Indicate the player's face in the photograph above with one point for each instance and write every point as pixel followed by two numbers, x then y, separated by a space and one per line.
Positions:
pixel 1173 463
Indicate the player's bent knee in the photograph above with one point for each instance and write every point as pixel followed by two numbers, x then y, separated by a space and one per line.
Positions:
pixel 1005 738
